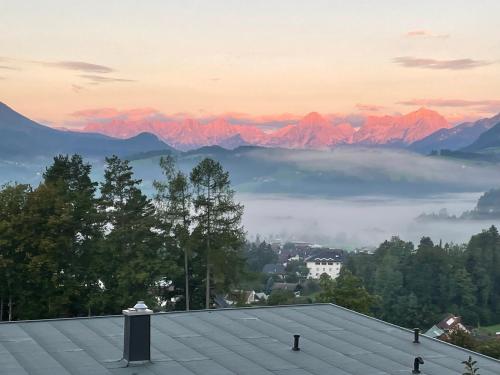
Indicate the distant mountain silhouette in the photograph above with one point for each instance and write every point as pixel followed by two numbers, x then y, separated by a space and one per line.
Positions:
pixel 22 138
pixel 488 142
pixel 455 138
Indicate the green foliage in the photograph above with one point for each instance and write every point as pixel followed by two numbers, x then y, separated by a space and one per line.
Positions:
pixel 470 367
pixel 489 347
pixel 418 286
pixel 174 203
pixel 347 291
pixel 461 338
pixel 65 251
pixel 258 255
pixel 135 259
pixel 218 236
pixel 281 297
pixel 296 271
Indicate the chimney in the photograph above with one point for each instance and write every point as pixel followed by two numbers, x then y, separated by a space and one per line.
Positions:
pixel 137 333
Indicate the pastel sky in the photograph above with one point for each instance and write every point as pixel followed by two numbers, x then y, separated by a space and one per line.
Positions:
pixel 264 57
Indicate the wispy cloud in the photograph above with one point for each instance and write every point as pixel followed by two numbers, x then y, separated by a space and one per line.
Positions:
pixel 369 107
pixel 97 80
pixel 7 67
pixel 425 34
pixel 76 88
pixel 459 110
pixel 451 102
pixel 78 66
pixel 91 72
pixel 427 63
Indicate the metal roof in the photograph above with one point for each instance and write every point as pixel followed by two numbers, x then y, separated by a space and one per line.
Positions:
pixel 251 341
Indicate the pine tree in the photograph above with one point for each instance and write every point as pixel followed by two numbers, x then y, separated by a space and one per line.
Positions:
pixel 135 260
pixel 173 201
pixel 217 225
pixel 13 270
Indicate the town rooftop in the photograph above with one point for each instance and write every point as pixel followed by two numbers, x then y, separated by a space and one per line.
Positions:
pixel 252 341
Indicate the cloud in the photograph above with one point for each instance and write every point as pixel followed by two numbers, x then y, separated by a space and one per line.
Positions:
pixel 425 34
pixel 80 66
pixel 107 114
pixel 369 107
pixel 451 102
pixel 6 67
pixel 427 63
pixel 476 108
pixel 96 80
pixel 76 88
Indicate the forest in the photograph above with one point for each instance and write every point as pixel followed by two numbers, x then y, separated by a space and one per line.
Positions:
pixel 75 247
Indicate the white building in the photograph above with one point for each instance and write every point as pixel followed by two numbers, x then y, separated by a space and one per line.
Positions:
pixel 325 261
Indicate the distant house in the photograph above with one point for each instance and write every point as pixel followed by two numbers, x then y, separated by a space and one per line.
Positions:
pixel 449 324
pixel 261 296
pixel 236 297
pixel 327 261
pixel 273 269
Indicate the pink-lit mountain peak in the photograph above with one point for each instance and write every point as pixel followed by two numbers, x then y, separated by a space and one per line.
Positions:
pixel 405 129
pixel 313 119
pixel 312 131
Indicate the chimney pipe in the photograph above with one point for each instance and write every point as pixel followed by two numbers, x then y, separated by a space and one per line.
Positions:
pixel 137 333
pixel 295 347
pixel 416 365
pixel 416 333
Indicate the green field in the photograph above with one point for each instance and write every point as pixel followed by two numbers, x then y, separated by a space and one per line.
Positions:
pixel 490 329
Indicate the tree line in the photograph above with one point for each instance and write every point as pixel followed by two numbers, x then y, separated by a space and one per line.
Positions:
pixel 72 247
pixel 416 286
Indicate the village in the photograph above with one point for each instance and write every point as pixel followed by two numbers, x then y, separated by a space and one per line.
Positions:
pixel 292 278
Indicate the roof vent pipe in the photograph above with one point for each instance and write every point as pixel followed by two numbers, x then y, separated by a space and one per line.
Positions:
pixel 416 365
pixel 295 347
pixel 137 333
pixel 416 333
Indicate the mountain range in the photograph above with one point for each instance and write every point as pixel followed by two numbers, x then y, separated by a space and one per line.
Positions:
pixel 312 131
pixel 289 162
pixel 422 131
pixel 22 138
pixel 455 138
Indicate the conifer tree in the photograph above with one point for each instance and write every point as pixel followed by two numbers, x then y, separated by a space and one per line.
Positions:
pixel 173 201
pixel 217 225
pixel 134 260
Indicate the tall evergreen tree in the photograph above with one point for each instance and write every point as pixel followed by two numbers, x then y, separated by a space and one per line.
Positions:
pixel 217 225
pixel 135 260
pixel 13 271
pixel 173 200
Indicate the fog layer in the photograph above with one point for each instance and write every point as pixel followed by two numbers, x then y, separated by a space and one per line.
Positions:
pixel 357 221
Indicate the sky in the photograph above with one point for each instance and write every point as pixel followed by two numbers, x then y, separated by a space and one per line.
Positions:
pixel 257 58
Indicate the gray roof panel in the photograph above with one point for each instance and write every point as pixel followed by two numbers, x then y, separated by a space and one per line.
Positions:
pixel 248 341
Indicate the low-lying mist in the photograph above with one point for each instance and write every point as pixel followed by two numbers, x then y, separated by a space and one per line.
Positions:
pixel 396 166
pixel 357 221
